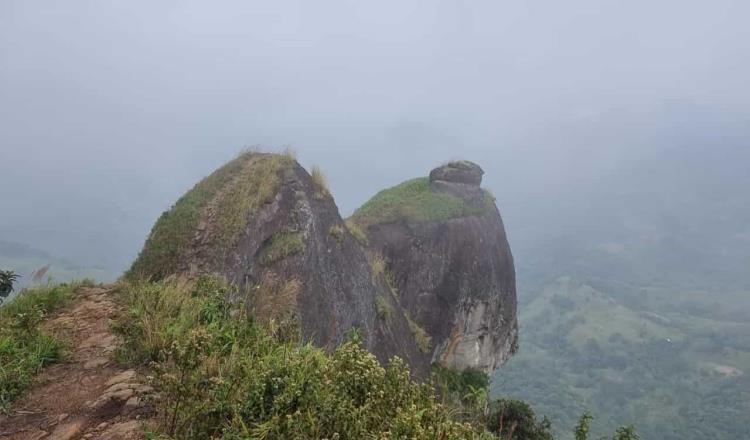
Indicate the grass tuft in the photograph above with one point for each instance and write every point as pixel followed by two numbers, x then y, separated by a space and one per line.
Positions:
pixel 357 232
pixel 280 246
pixel 337 232
pixel 383 308
pixel 421 337
pixel 321 183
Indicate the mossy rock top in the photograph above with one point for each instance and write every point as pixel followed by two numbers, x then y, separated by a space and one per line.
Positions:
pixel 214 211
pixel 417 201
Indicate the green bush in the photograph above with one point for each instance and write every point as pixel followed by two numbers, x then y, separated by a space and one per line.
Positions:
pixel 514 419
pixel 221 374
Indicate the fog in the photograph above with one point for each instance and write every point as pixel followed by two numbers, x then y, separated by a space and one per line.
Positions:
pixel 109 111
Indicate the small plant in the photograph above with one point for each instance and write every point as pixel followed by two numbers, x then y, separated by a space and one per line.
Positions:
pixel 321 183
pixel 383 308
pixel 357 232
pixel 8 279
pixel 421 337
pixel 626 433
pixel 377 265
pixel 581 430
pixel 337 232
pixel 280 246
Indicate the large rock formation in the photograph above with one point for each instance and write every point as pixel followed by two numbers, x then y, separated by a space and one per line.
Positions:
pixel 453 270
pixel 431 283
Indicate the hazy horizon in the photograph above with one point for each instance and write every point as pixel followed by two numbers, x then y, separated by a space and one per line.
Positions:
pixel 109 112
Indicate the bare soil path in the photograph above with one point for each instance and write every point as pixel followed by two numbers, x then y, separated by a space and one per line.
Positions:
pixel 86 396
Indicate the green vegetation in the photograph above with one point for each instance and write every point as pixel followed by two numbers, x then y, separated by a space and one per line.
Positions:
pixel 220 374
pixel 337 232
pixel 413 201
pixel 421 337
pixel 280 246
pixel 320 182
pixel 24 347
pixel 377 264
pixel 235 190
pixel 256 185
pixel 676 375
pixel 356 232
pixel 515 419
pixel 7 280
pixel 383 308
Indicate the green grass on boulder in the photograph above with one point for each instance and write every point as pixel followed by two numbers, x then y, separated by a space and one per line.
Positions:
pixel 235 190
pixel 414 202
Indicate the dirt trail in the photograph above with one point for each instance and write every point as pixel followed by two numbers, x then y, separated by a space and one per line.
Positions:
pixel 86 396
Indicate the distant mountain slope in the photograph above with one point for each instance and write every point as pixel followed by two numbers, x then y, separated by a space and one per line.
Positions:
pixel 674 375
pixel 635 301
pixel 25 260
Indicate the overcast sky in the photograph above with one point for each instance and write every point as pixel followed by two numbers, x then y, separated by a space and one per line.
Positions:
pixel 109 110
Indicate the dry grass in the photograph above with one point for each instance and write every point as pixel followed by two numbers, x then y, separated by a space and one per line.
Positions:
pixel 257 184
pixel 421 337
pixel 357 232
pixel 378 265
pixel 321 183
pixel 337 232
pixel 383 308
pixel 274 298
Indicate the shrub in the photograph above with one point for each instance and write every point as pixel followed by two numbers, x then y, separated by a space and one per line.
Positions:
pixel 221 374
pixel 514 419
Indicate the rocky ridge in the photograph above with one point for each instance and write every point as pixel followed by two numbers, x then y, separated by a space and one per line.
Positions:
pixel 434 283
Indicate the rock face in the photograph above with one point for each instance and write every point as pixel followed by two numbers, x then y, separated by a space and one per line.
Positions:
pixel 455 276
pixel 426 291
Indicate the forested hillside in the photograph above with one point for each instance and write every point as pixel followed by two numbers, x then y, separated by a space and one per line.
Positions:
pixel 638 306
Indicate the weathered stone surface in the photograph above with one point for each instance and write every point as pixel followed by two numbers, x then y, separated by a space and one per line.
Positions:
pixel 67 431
pixel 463 172
pixel 456 277
pixel 121 377
pixel 123 431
